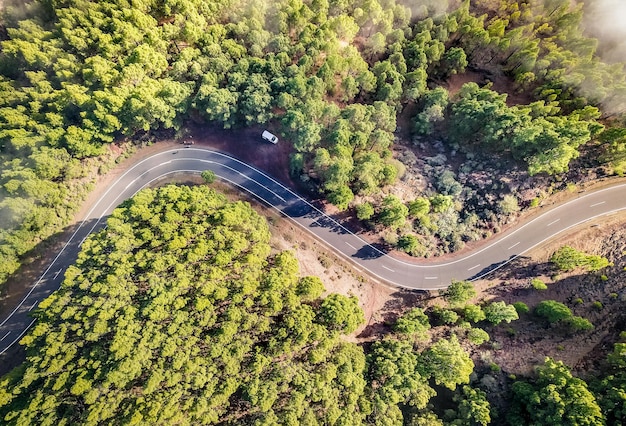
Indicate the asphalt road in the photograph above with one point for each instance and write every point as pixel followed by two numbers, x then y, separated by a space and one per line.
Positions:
pixel 429 276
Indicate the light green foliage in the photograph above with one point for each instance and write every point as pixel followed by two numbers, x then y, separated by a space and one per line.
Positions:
pixel 477 336
pixel 414 323
pixel 208 176
pixel 473 313
pixel 419 207
pixel 441 203
pixel 341 313
pixel 568 258
pixel 364 211
pixel 447 363
pixel 445 316
pixel 474 409
pixel 395 372
pixel 555 397
pixel 496 312
pixel 177 313
pixel 459 292
pixel 508 205
pixel 537 284
pixel 394 213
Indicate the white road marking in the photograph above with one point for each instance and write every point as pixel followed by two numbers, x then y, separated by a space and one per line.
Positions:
pixel 56 274
pixel 5 336
pixel 34 304
pixel 513 245
pixel 474 267
pixel 430 278
pixel 389 269
pixel 597 204
pixel 552 223
pixel 351 246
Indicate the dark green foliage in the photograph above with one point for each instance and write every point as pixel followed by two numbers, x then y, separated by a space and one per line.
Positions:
pixel 177 313
pixel 555 397
pixel 552 311
pixel 411 244
pixel 567 258
pixel 521 307
pixel 557 313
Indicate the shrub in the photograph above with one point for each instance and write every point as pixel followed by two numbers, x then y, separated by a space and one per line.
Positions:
pixel 538 284
pixel 445 316
pixel 364 211
pixel 459 292
pixel 521 307
pixel 208 176
pixel 477 336
pixel 553 311
pixel 567 259
pixel 497 312
pixel 577 324
pixel 473 313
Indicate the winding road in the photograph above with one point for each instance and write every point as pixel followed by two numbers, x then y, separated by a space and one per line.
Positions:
pixel 429 276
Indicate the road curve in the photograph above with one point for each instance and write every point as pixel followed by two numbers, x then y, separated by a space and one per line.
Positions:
pixel 394 271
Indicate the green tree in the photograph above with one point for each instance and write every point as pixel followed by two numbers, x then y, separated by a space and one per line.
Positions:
pixel 459 292
pixel 555 397
pixel 568 258
pixel 447 363
pixel 394 213
pixel 496 312
pixel 180 299
pixel 364 211
pixel 414 323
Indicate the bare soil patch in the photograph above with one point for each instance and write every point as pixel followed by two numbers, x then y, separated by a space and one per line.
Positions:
pixel 523 344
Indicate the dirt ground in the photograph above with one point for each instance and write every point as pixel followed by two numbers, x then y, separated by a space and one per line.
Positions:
pixel 523 344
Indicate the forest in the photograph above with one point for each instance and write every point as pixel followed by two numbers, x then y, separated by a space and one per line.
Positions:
pixel 181 312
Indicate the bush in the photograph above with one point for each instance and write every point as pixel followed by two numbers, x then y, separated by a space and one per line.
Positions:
pixel 364 211
pixel 473 313
pixel 521 307
pixel 445 316
pixel 553 311
pixel 477 336
pixel 459 292
pixel 538 284
pixel 578 324
pixel 208 176
pixel 497 312
pixel 567 259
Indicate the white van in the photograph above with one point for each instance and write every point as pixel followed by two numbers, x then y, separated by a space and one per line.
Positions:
pixel 269 137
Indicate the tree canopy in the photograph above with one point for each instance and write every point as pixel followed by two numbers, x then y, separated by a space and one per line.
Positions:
pixel 178 312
